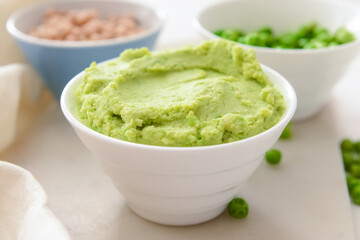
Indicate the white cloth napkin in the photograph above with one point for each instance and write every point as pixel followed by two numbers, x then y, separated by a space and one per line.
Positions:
pixel 24 214
pixel 20 94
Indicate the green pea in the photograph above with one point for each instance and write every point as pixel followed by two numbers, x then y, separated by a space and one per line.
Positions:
pixel 342 35
pixel 324 37
pixel 306 30
pixel 241 39
pixel 351 182
pixel 347 145
pixel 265 39
pixel 318 30
pixel 267 30
pixel 288 40
pixel 273 156
pixel 309 46
pixel 349 179
pixel 355 194
pixel 357 146
pixel 254 39
pixel 348 159
pixel 238 208
pixel 231 34
pixel 302 42
pixel 351 159
pixel 218 32
pixel 317 43
pixel 287 132
pixel 333 44
pixel 355 169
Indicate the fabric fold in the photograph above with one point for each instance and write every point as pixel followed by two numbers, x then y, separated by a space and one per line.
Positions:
pixel 22 97
pixel 23 208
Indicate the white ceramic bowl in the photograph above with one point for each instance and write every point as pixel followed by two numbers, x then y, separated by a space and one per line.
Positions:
pixel 312 73
pixel 179 185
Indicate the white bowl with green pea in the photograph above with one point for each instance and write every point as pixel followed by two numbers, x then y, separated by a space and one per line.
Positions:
pixel 311 42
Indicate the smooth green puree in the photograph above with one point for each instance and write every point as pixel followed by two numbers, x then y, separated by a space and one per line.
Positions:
pixel 198 95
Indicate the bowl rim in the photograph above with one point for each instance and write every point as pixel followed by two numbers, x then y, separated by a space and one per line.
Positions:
pixel 288 114
pixel 208 34
pixel 16 33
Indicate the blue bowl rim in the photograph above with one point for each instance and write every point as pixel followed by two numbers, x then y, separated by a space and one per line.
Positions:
pixel 16 33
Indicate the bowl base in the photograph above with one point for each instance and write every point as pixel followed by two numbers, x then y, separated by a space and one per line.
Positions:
pixel 179 219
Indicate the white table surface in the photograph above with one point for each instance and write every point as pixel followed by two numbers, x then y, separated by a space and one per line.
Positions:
pixel 303 198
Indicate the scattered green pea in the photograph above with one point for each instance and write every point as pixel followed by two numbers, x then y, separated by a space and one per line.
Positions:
pixel 355 194
pixel 287 132
pixel 351 182
pixel 238 208
pixel 308 36
pixel 348 159
pixel 349 179
pixel 355 169
pixel 357 146
pixel 347 145
pixel 273 156
pixel 351 159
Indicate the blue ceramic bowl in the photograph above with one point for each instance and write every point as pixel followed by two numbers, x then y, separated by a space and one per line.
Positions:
pixel 59 61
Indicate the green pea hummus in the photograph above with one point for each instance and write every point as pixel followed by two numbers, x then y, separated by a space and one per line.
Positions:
pixel 200 95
